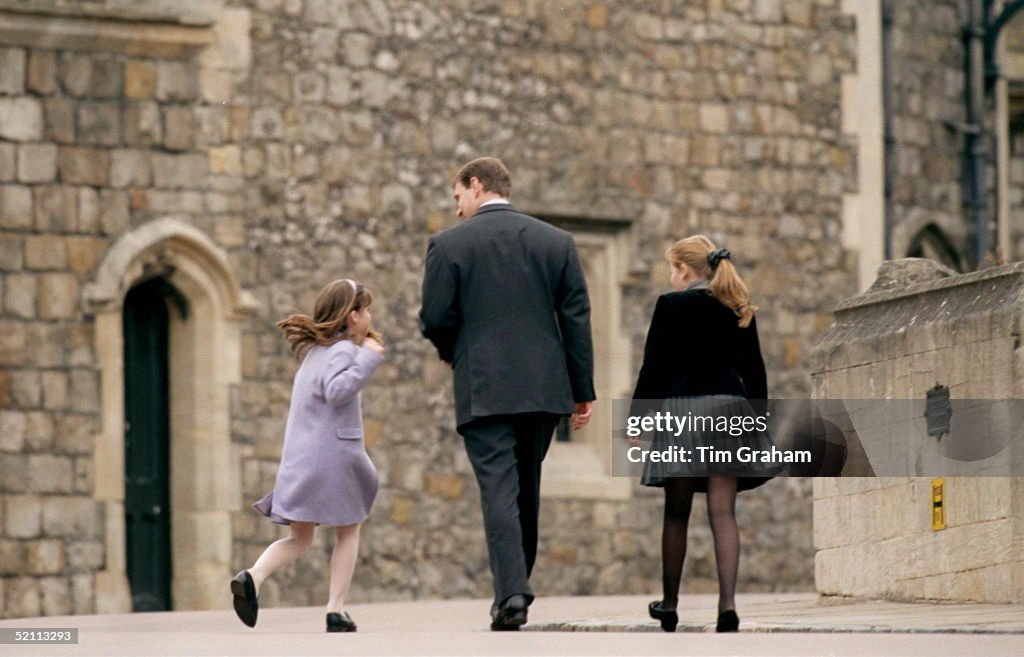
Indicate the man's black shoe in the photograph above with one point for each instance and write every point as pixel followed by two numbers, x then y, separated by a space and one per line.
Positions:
pixel 511 614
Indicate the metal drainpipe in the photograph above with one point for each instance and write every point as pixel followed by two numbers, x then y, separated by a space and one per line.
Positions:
pixel 889 156
pixel 976 137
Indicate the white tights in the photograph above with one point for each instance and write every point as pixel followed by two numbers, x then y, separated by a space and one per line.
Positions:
pixel 343 560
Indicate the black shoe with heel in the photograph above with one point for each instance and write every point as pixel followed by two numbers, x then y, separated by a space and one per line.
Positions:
pixel 510 614
pixel 340 622
pixel 245 602
pixel 669 619
pixel 728 621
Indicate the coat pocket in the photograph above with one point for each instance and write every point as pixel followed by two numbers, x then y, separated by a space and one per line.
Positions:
pixel 350 433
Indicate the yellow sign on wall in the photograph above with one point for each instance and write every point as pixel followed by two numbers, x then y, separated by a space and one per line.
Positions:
pixel 938 504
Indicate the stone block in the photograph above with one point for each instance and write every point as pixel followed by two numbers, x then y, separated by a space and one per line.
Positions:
pixel 84 556
pixel 58 296
pixel 8 162
pixel 37 163
pixel 84 253
pixel 130 167
pixel 45 557
pixel 84 480
pixel 597 17
pixel 42 72
pixel 142 126
pixel 56 596
pixel 39 425
pixel 21 119
pixel 12 431
pixel 114 211
pixel 357 49
pixel 12 71
pixel 13 343
pixel 23 516
pixel 179 128
pixel 230 230
pixel 59 115
pixel 99 123
pixel 49 473
pixel 56 208
pixel 75 73
pixel 16 208
pixel 44 252
pixel 226 160
pixel 84 391
pixel 84 166
pixel 215 85
pixel 20 295
pixel 107 78
pixel 12 557
pixel 180 171
pixel 176 81
pixel 309 87
pixel 449 487
pixel 13 474
pixel 54 390
pixel 139 80
pixel 88 210
pixel 267 123
pixel 402 510
pixel 24 390
pixel 83 594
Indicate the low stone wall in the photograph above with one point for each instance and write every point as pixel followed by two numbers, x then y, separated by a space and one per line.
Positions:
pixel 918 325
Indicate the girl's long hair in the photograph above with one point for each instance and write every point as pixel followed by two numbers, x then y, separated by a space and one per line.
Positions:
pixel 723 280
pixel 330 316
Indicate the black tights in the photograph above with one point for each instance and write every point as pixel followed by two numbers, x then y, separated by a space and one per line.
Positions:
pixel 722 516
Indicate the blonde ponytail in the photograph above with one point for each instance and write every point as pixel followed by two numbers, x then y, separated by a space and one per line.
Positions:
pixel 713 264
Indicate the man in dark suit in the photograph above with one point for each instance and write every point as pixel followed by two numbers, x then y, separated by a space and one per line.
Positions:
pixel 505 303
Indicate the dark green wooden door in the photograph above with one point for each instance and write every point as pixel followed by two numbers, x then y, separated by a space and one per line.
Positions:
pixel 147 446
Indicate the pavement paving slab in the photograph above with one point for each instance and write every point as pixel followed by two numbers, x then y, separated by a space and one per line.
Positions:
pixel 771 625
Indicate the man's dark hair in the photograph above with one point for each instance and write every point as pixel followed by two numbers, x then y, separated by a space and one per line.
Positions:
pixel 491 173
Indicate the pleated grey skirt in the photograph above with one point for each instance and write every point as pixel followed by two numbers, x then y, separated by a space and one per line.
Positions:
pixel 710 447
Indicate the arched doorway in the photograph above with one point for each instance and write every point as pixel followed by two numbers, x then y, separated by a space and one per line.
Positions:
pixel 166 288
pixel 147 408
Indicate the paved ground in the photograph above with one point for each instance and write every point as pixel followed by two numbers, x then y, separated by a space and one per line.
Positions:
pixel 790 624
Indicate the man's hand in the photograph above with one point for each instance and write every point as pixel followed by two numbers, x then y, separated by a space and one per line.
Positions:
pixel 579 419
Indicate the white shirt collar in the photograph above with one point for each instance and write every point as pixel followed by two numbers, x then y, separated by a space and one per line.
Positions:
pixel 494 201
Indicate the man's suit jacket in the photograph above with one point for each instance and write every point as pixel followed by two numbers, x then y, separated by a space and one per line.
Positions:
pixel 505 302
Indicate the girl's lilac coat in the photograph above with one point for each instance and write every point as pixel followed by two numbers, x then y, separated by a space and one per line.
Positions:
pixel 325 475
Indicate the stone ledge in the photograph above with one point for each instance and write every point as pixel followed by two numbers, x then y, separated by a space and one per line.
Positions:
pixel 182 12
pixel 88 34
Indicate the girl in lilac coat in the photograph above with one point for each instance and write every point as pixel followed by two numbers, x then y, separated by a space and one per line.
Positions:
pixel 325 476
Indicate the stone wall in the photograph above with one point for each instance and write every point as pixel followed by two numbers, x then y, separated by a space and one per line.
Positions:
pixel 928 90
pixel 314 139
pixel 919 325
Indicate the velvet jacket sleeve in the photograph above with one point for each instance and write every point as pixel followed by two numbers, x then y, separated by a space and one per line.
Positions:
pixel 750 366
pixel 653 379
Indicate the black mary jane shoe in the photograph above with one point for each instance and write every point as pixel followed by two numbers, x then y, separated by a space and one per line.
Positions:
pixel 245 602
pixel 728 621
pixel 669 619
pixel 340 622
pixel 510 614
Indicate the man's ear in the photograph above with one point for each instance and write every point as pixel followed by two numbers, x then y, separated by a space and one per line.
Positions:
pixel 476 185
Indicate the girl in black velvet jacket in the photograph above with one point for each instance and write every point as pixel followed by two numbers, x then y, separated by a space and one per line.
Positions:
pixel 702 357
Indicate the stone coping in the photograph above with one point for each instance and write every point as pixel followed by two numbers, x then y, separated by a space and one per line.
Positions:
pixel 884 296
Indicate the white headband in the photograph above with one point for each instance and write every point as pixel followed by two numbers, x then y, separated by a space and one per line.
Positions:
pixel 355 290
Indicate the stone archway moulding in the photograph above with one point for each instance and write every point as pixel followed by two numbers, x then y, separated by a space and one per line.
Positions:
pixel 205 361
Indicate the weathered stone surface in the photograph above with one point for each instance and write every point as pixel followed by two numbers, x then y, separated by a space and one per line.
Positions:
pixel 99 123
pixel 22 516
pixel 58 296
pixel 142 125
pixel 176 81
pixel 130 168
pixel 45 252
pixel 179 128
pixel 56 206
pixel 139 79
pixel 180 171
pixel 21 119
pixel 37 163
pixel 12 71
pixel 84 166
pixel 59 114
pixel 16 208
pixel 42 71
